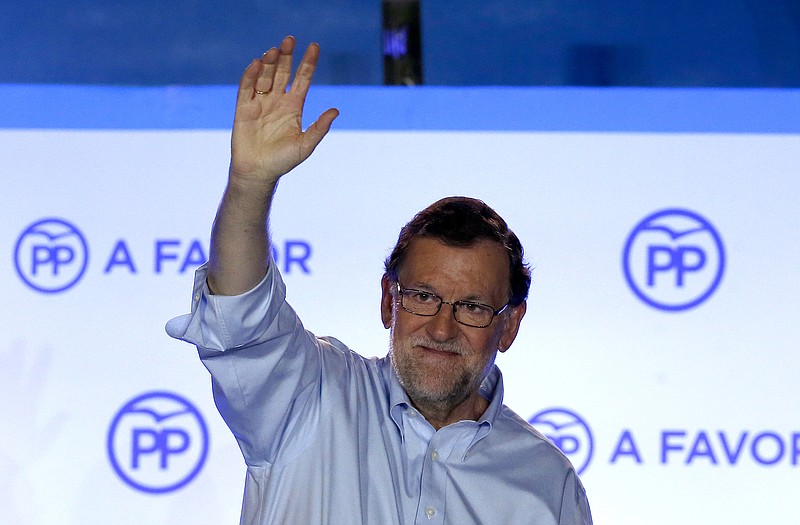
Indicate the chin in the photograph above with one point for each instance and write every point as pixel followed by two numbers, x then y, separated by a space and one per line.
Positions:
pixel 423 388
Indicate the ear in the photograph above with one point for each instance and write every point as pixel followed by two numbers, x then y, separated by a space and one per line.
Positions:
pixel 512 326
pixel 387 302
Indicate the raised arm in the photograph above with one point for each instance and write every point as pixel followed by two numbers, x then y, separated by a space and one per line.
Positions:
pixel 268 141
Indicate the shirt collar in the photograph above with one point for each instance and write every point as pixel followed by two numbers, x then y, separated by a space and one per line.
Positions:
pixel 398 399
pixel 491 389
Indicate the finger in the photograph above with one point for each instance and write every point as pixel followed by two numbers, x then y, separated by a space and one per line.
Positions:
pixel 317 131
pixel 248 81
pixel 264 82
pixel 283 68
pixel 305 71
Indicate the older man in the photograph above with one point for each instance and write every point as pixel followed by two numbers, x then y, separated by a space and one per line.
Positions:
pixel 328 436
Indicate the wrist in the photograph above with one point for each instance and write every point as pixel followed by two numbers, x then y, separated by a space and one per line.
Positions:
pixel 252 185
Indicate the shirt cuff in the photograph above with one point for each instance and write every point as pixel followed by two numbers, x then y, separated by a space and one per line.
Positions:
pixel 221 322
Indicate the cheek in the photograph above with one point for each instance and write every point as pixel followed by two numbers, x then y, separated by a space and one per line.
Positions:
pixel 398 330
pixel 405 323
pixel 478 344
pixel 485 343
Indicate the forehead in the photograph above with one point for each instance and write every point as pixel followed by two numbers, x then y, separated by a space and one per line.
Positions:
pixel 481 268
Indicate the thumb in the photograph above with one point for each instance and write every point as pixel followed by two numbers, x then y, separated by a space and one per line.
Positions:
pixel 317 131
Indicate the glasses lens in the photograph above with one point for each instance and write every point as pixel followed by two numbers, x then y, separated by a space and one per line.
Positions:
pixel 472 314
pixel 420 303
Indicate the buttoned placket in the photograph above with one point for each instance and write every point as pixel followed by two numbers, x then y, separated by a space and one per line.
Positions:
pixel 432 451
pixel 429 456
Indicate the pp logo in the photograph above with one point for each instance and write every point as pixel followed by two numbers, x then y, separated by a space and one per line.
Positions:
pixel 569 432
pixel 51 255
pixel 673 260
pixel 157 442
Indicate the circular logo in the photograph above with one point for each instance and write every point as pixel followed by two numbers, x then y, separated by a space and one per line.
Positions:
pixel 157 442
pixel 673 259
pixel 569 432
pixel 51 255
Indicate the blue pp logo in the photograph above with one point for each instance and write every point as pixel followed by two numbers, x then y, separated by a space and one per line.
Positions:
pixel 673 260
pixel 157 442
pixel 569 432
pixel 51 255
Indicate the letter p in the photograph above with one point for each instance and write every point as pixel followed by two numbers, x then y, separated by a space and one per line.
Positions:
pixel 659 259
pixel 696 258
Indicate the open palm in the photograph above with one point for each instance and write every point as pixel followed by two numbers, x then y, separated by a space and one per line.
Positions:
pixel 268 138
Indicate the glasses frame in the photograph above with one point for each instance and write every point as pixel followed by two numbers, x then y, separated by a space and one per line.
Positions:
pixel 454 304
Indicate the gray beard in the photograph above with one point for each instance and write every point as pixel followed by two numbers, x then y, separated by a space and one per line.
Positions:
pixel 411 378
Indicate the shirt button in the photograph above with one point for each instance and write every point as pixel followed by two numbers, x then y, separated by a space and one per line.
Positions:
pixel 197 297
pixel 435 455
pixel 412 413
pixel 430 512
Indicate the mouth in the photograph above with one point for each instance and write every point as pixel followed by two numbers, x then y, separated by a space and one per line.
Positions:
pixel 439 351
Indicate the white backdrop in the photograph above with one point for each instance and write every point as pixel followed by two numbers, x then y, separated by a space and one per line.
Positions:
pixel 682 415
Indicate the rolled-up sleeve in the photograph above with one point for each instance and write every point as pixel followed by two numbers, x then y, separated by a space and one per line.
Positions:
pixel 223 322
pixel 265 366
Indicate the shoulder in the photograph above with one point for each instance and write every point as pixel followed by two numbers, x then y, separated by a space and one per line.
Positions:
pixel 340 362
pixel 530 444
pixel 338 350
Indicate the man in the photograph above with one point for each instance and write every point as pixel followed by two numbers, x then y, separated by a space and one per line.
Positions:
pixel 330 437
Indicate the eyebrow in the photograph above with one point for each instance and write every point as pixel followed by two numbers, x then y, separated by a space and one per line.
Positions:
pixel 473 298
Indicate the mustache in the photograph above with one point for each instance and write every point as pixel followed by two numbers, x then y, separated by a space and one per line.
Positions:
pixel 443 346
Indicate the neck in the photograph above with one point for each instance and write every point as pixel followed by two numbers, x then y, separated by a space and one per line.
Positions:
pixel 441 414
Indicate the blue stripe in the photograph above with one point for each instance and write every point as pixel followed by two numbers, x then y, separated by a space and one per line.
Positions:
pixel 418 108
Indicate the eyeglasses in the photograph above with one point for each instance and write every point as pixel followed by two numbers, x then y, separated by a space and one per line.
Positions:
pixel 427 304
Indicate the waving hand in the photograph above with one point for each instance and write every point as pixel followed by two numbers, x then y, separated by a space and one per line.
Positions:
pixel 268 141
pixel 268 138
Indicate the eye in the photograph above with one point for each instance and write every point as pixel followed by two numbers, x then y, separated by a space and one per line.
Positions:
pixel 422 297
pixel 472 308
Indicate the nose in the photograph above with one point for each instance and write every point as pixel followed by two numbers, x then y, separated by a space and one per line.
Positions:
pixel 443 326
